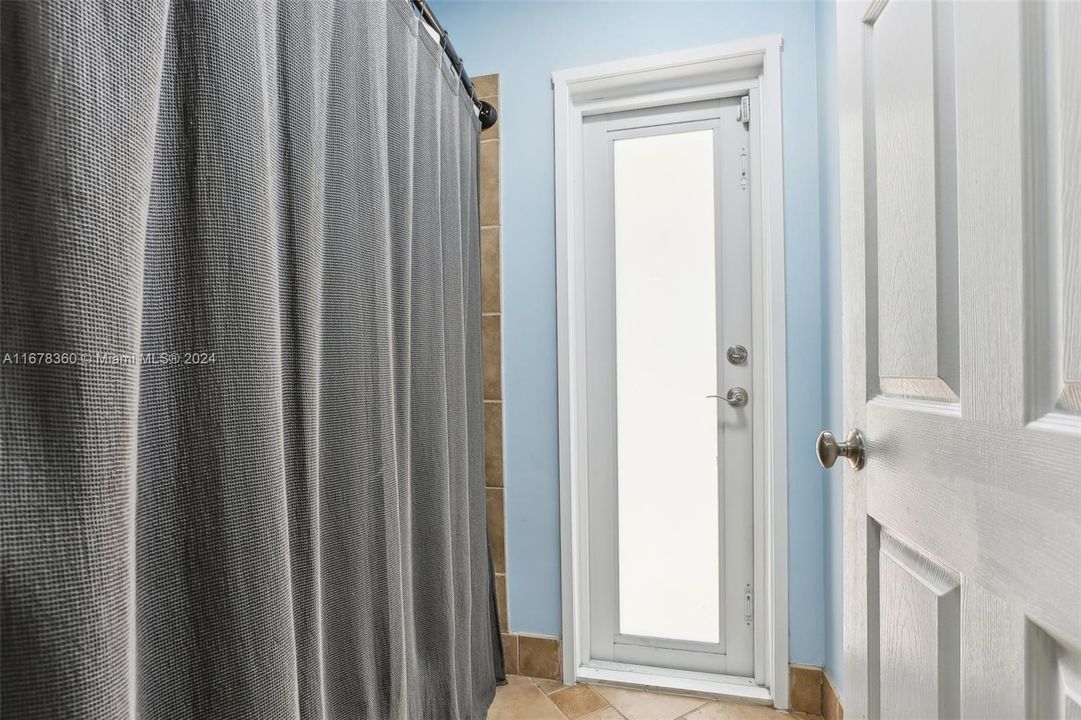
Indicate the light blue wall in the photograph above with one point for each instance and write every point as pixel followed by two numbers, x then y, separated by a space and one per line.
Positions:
pixel 829 216
pixel 524 42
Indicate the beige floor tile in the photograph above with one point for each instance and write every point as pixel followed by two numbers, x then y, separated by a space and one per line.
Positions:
pixel 549 686
pixel 641 705
pixel 522 701
pixel 608 713
pixel 525 698
pixel 735 711
pixel 577 701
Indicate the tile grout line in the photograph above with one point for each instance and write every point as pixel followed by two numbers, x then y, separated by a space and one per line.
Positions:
pixel 696 709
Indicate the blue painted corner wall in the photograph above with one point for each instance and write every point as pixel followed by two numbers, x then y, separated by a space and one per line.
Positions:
pixel 525 41
pixel 829 187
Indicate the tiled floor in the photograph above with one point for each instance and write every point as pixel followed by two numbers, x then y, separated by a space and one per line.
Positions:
pixel 525 698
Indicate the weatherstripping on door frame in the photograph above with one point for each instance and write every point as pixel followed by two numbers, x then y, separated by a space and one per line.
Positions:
pixel 744 67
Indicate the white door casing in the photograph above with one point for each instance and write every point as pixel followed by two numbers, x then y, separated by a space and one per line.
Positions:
pixel 623 303
pixel 960 132
pixel 731 69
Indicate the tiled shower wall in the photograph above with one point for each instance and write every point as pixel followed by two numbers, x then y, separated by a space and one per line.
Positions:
pixel 525 654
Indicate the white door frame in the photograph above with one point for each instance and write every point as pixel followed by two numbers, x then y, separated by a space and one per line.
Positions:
pixel 738 68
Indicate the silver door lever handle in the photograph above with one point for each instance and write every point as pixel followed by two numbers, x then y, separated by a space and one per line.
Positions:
pixel 737 397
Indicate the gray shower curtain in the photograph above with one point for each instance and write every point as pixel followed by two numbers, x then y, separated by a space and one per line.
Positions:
pixel 241 403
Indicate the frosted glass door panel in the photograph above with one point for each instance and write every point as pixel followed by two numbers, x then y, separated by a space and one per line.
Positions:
pixel 666 360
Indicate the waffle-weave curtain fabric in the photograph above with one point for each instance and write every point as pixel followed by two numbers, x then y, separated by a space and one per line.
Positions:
pixel 241 386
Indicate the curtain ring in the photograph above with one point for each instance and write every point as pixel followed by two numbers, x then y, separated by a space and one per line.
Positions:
pixel 443 40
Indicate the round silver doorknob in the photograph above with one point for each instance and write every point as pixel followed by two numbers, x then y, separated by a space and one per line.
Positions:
pixel 829 449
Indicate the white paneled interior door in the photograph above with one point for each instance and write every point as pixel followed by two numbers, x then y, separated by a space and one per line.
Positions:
pixel 961 232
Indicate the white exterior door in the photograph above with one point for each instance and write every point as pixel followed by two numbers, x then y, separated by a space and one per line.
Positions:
pixel 667 293
pixel 960 131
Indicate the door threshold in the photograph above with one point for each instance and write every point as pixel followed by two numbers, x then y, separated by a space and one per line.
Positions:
pixel 728 687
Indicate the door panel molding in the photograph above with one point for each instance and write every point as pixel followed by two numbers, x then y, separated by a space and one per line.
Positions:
pixel 910 66
pixel 920 611
pixel 1051 136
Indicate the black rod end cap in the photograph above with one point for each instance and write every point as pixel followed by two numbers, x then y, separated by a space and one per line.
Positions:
pixel 487 115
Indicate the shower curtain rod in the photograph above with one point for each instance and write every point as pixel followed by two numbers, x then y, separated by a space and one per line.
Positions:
pixel 486 112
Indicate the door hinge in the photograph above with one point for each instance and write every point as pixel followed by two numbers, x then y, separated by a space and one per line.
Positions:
pixel 748 605
pixel 745 109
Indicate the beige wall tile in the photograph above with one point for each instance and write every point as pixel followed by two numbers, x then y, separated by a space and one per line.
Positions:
pixel 487 88
pixel 578 701
pixel 805 688
pixel 493 444
pixel 489 270
pixel 494 508
pixel 493 361
pixel 510 653
pixel 539 657
pixel 486 85
pixel 501 600
pixel 489 182
pixel 831 701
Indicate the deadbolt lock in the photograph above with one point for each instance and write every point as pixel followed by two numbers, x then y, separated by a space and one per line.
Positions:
pixel 737 354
